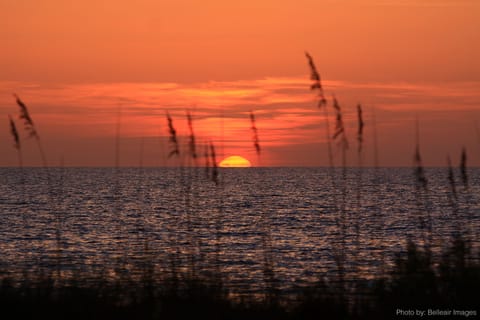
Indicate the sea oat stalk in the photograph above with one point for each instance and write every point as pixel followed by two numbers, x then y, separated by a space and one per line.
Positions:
pixel 422 185
pixel 190 197
pixel 343 143
pixel 322 103
pixel 356 217
pixel 268 262
pixel 32 132
pixel 17 146
pixel 422 189
pixel 174 257
pixel 453 196
pixel 378 208
pixel 466 192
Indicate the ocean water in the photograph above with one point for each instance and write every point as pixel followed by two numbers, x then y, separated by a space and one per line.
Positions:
pixel 91 221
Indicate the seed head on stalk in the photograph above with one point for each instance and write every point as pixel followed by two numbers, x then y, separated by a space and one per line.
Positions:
pixel 173 137
pixel 339 127
pixel 419 171
pixel 27 120
pixel 14 132
pixel 360 127
pixel 30 127
pixel 191 143
pixel 214 164
pixel 256 142
pixel 207 161
pixel 316 81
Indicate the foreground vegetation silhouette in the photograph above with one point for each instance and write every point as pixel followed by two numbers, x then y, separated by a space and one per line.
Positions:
pixel 414 283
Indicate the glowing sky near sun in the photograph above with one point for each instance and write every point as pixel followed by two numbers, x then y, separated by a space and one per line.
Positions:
pixel 76 64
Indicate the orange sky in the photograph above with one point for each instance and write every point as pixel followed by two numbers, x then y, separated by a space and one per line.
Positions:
pixel 75 65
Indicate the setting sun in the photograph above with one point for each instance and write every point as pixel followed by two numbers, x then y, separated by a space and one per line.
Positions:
pixel 235 162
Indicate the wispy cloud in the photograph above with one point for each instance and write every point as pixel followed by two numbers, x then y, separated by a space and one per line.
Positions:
pixel 285 109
